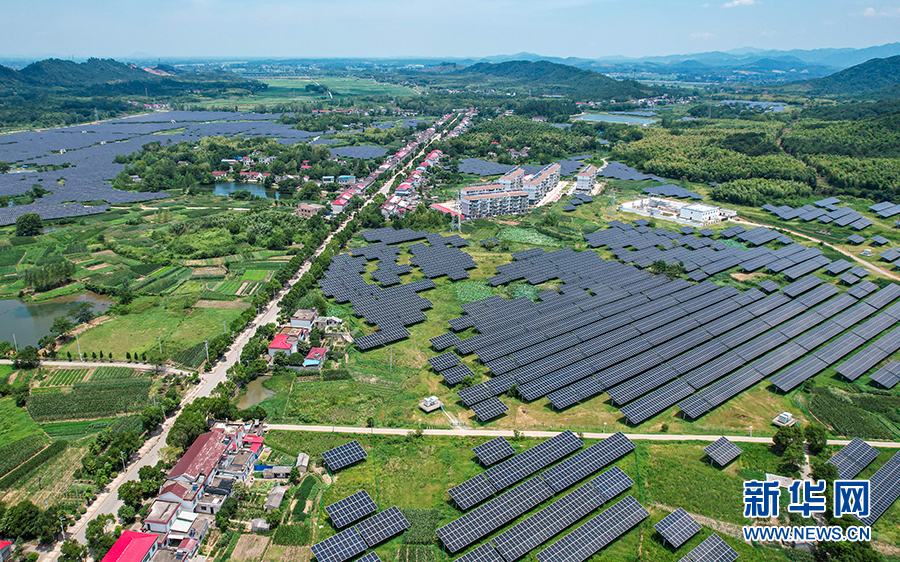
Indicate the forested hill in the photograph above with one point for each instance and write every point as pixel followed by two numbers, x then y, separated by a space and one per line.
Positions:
pixel 876 78
pixel 551 78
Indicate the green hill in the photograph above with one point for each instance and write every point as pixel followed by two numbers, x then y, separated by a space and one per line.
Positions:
pixel 551 78
pixel 69 74
pixel 876 78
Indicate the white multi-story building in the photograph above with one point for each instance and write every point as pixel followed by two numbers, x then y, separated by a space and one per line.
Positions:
pixel 585 178
pixel 492 200
pixel 538 185
pixel 512 180
pixel 698 212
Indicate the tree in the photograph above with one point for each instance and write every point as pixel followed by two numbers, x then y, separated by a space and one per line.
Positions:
pixel 73 551
pixel 99 541
pixel 240 490
pixel 273 518
pixel 29 224
pixel 824 471
pixel 126 514
pixel 793 457
pixel 22 520
pixel 816 437
pixel 4 167
pixel 83 312
pixel 131 494
pixel 785 437
pixel 294 475
pixel 27 358
pixel 61 325
pixel 151 417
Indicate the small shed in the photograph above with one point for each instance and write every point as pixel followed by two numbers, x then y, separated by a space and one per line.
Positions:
pixel 259 525
pixel 276 496
pixel 303 462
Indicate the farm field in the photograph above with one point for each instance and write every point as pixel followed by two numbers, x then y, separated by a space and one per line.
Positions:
pixel 286 90
pixel 415 472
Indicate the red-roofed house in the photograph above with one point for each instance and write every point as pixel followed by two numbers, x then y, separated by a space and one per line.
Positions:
pixel 132 547
pixel 180 493
pixel 315 357
pixel 199 462
pixel 220 175
pixel 283 342
pixel 6 550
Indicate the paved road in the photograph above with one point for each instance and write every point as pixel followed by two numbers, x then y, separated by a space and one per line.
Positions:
pixel 148 455
pixel 545 434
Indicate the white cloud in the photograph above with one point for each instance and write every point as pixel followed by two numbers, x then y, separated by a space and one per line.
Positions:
pixel 701 35
pixel 871 12
pixel 736 3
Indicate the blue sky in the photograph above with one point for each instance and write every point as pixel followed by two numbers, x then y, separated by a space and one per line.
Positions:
pixel 437 28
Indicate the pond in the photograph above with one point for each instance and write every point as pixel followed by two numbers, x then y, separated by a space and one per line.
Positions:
pixel 30 321
pixel 607 118
pixel 227 188
pixel 255 393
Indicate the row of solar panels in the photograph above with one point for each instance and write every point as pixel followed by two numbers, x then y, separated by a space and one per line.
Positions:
pixel 843 216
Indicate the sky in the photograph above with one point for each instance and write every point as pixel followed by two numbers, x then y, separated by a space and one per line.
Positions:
pixel 124 29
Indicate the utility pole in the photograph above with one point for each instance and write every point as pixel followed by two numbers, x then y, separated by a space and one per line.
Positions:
pixel 14 342
pixel 80 358
pixel 207 350
pixel 122 456
pixel 159 339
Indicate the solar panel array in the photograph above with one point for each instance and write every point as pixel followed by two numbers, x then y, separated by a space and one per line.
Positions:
pixel 597 533
pixel 713 549
pixel 672 190
pixel 722 451
pixel 889 375
pixel 840 216
pixel 350 509
pixel 344 455
pixel 884 489
pixel 390 235
pixel 382 526
pixel 619 171
pixel 342 546
pixel 885 209
pixel 853 458
pixel 494 451
pixel 677 527
pixel 438 260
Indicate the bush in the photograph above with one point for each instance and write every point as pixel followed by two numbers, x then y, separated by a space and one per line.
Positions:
pixel 422 524
pixel 336 375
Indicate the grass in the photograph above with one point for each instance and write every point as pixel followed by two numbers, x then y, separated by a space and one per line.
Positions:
pixel 286 90
pixel 72 430
pixel 138 333
pixel 15 423
pixel 254 275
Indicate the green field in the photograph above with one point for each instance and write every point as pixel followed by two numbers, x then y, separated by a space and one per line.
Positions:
pixel 254 275
pixel 287 90
pixel 105 373
pixel 65 377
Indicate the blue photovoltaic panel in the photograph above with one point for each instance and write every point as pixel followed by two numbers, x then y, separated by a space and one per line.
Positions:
pixel 677 527
pixel 713 549
pixel 586 540
pixel 494 451
pixel 382 526
pixel 350 509
pixel 587 462
pixel 342 546
pixel 471 492
pixel 484 553
pixel 345 455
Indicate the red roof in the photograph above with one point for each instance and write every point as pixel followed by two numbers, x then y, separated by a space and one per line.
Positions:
pixel 280 342
pixel 177 488
pixel 443 209
pixel 253 439
pixel 201 457
pixel 4 544
pixel 317 353
pixel 131 547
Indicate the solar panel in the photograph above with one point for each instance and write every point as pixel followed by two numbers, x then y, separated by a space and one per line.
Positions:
pixel 489 409
pixel 612 483
pixel 889 375
pixel 520 539
pixel 370 557
pixel 885 489
pixel 345 455
pixel 677 527
pixel 455 374
pixel 444 341
pixel 586 540
pixel 528 462
pixel 722 451
pixel 350 509
pixel 484 553
pixel 444 361
pixel 587 462
pixel 382 526
pixel 853 458
pixel 471 492
pixel 494 451
pixel 342 546
pixel 484 519
pixel 713 549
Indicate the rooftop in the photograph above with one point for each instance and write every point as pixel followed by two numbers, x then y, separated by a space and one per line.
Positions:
pixel 161 512
pixel 280 342
pixel 308 314
pixel 130 547
pixel 498 195
pixel 201 457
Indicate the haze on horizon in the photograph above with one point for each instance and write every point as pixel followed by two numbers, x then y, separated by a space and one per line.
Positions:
pixel 437 28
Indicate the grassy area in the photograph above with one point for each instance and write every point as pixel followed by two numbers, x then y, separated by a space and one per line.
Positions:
pixel 138 333
pixel 287 90
pixel 15 423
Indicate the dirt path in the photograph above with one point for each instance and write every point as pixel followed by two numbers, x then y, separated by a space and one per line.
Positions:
pixel 729 529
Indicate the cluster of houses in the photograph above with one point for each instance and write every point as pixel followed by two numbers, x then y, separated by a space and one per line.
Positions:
pixel 404 197
pixel 358 188
pixel 195 490
pixel 302 322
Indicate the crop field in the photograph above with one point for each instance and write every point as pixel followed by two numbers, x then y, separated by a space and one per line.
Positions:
pixel 65 377
pixel 107 373
pixel 415 472
pixel 254 275
pixel 286 90
pixel 74 430
pixel 95 399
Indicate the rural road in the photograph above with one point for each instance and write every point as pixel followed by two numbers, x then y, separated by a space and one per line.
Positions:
pixel 148 455
pixel 544 434
pixel 92 364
